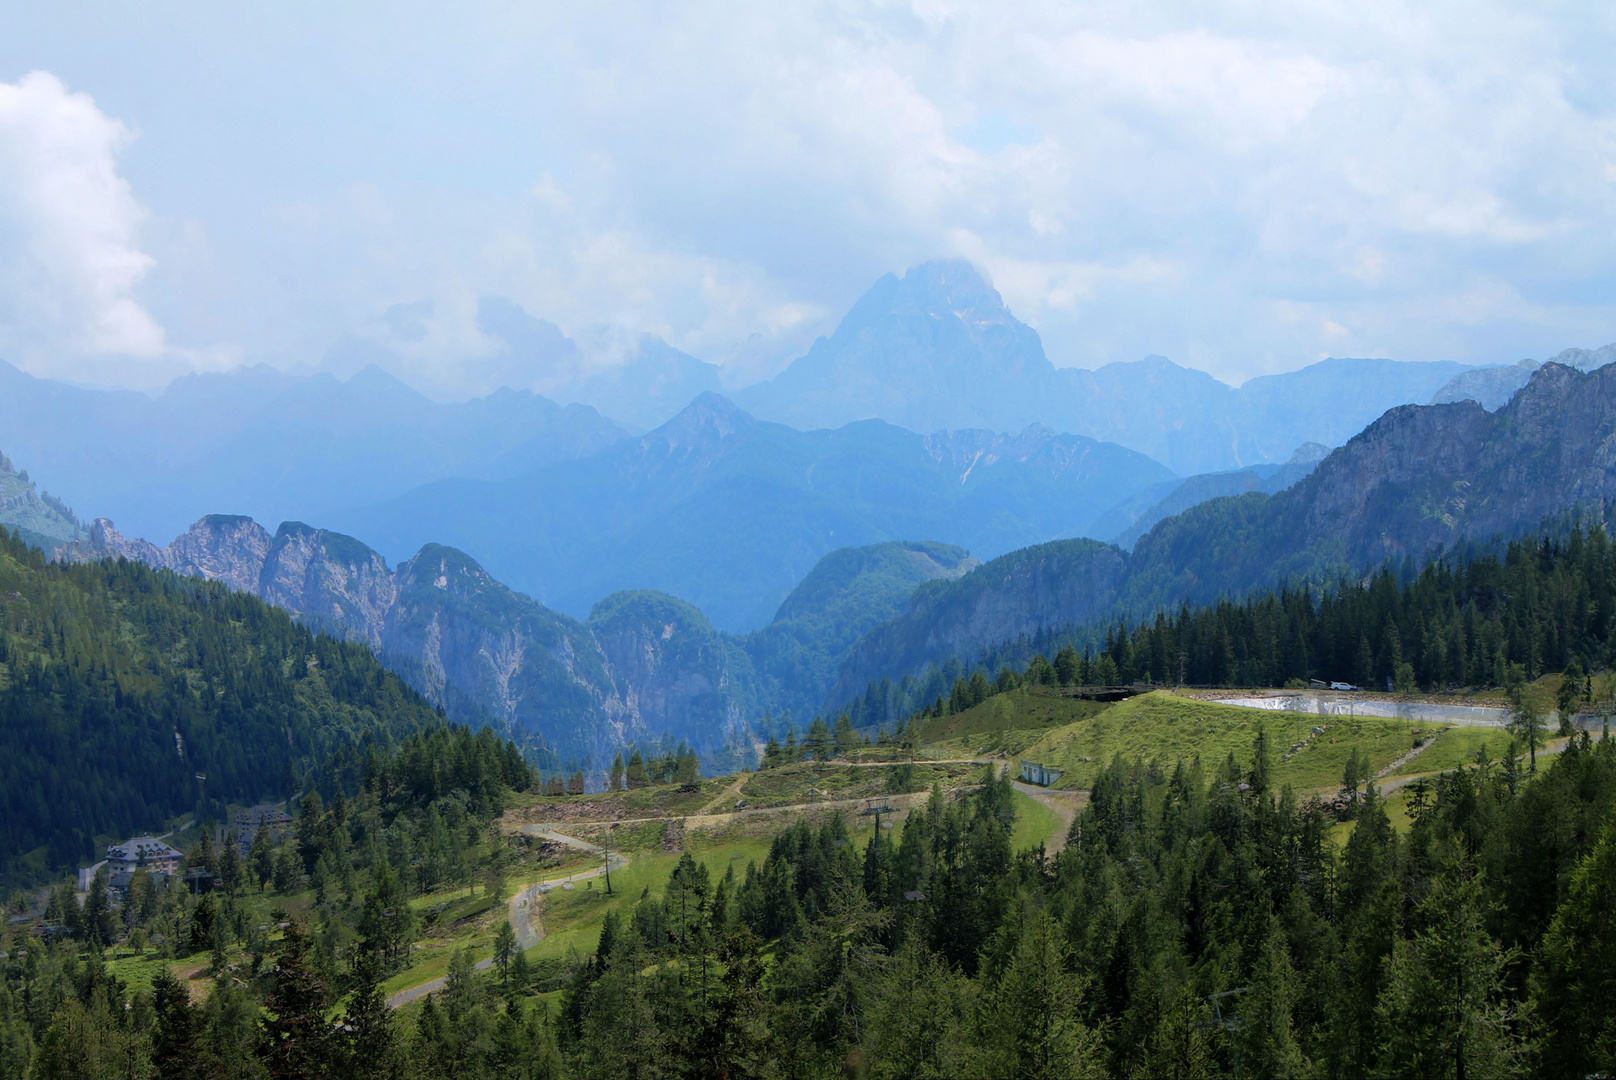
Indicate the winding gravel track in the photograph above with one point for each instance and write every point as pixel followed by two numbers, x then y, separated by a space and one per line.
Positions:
pixel 523 909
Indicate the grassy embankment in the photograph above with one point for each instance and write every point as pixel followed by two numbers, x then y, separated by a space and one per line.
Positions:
pixel 1079 737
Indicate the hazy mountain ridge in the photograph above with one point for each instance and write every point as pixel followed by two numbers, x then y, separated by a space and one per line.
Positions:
pixel 457 635
pixel 272 445
pixel 1492 387
pixel 938 349
pixel 42 519
pixel 849 593
pixel 729 512
pixel 638 379
pixel 1067 581
pixel 1142 515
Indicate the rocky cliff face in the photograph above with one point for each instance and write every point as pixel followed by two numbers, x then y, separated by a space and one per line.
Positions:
pixel 1492 387
pixel 676 673
pixel 647 666
pixel 222 547
pixel 1419 480
pixel 471 642
pixel 106 542
pixel 329 581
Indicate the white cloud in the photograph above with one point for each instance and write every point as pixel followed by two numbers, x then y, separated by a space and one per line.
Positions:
pixel 69 256
pixel 1239 184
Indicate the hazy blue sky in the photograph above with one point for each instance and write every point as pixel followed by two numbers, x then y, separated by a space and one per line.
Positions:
pixel 1244 187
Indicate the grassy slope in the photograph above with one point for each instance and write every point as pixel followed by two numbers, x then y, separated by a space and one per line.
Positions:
pixel 1008 722
pixel 1164 727
pixel 1035 824
pixel 1456 747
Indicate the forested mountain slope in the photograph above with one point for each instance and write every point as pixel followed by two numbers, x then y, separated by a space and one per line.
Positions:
pixel 40 518
pixel 119 683
pixel 1060 583
pixel 484 652
pixel 1125 523
pixel 644 666
pixel 1420 481
pixel 848 594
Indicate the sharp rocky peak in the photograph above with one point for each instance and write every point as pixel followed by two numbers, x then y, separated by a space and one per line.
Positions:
pixel 709 418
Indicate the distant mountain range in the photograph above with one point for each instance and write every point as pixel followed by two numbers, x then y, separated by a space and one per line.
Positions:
pixel 1126 522
pixel 561 576
pixel 644 664
pixel 259 442
pixel 1419 482
pixel 730 513
pixel 644 382
pixel 1492 387
pixel 937 349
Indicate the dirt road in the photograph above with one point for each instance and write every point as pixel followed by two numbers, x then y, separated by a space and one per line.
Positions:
pixel 523 909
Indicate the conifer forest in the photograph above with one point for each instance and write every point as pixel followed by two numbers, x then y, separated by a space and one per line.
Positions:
pixel 1196 918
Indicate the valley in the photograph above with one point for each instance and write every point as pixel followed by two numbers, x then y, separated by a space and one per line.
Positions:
pixel 841 541
pixel 770 761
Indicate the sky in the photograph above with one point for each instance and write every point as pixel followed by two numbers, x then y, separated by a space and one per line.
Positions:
pixel 1244 187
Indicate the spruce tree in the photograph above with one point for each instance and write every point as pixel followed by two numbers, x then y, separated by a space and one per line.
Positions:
pixel 176 1046
pixel 1029 1023
pixel 1180 1046
pixel 98 922
pixel 372 1051
pixel 1266 1038
pixel 229 862
pixel 262 858
pixel 635 772
pixel 1573 987
pixel 1526 721
pixel 297 1043
pixel 505 950
pixel 1442 1011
